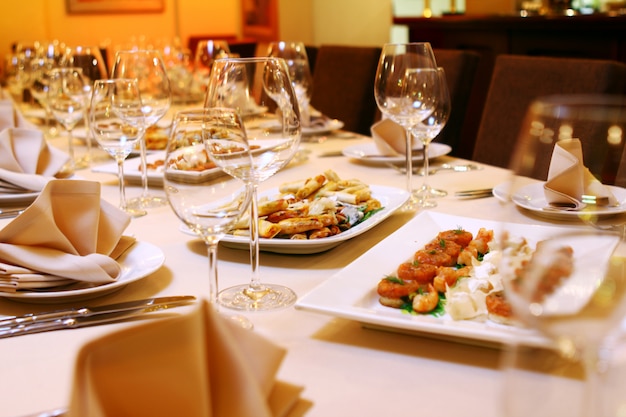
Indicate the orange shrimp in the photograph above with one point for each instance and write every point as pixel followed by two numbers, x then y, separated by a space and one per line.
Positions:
pixel 413 271
pixel 426 301
pixel 433 257
pixel 449 247
pixel 447 277
pixel 394 291
pixel 459 236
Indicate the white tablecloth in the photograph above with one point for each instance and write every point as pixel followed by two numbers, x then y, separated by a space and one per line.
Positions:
pixel 346 369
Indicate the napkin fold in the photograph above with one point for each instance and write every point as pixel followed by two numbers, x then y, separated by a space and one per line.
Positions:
pixel 196 365
pixel 570 185
pixel 389 138
pixel 11 117
pixel 27 163
pixel 68 234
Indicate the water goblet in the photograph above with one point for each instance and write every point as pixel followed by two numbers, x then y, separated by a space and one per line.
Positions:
pixel 67 101
pixel 428 130
pixel 211 207
pixel 148 68
pixel 260 90
pixel 294 53
pixel 569 281
pixel 207 51
pixel 116 122
pixel 405 96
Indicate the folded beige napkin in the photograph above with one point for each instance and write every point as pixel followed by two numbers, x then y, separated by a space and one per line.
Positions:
pixel 389 138
pixel 10 117
pixel 67 234
pixel 196 365
pixel 27 163
pixel 570 185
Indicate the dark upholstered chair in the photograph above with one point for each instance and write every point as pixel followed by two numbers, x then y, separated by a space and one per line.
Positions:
pixel 460 67
pixel 518 80
pixel 343 85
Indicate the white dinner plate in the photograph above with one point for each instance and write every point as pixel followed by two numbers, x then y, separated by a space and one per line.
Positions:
pixel 369 153
pixel 391 199
pixel 531 197
pixel 132 173
pixel 329 126
pixel 138 262
pixel 351 293
pixel 17 198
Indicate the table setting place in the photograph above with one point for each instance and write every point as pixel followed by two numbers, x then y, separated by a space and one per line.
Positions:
pixel 264 262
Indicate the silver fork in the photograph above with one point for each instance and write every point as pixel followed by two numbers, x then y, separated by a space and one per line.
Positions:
pixel 442 167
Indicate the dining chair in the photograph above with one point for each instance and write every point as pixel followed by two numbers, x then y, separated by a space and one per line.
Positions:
pixel 343 85
pixel 517 80
pixel 460 67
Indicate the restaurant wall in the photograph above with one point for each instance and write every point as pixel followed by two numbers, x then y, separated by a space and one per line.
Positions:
pixel 357 22
pixel 352 22
pixel 29 20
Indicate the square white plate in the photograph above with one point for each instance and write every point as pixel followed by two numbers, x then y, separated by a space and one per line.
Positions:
pixel 351 293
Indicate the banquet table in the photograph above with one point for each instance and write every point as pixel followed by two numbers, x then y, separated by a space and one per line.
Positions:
pixel 346 369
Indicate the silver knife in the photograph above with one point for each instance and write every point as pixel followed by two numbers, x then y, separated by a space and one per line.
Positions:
pixel 85 316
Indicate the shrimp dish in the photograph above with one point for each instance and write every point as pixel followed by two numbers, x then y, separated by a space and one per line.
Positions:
pixel 420 284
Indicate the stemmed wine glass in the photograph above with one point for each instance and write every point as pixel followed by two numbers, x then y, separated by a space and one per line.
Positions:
pixel 568 282
pixel 405 96
pixel 211 207
pixel 67 101
pixel 260 90
pixel 207 51
pixel 90 61
pixel 147 67
pixel 428 130
pixel 294 53
pixel 116 122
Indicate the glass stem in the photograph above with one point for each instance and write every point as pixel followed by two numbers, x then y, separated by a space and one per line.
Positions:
pixel 120 176
pixel 426 145
pixel 144 165
pixel 594 372
pixel 87 140
pixel 70 149
pixel 211 246
pixel 255 281
pixel 409 160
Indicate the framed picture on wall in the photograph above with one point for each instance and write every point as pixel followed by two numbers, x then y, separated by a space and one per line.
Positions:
pixel 260 19
pixel 115 6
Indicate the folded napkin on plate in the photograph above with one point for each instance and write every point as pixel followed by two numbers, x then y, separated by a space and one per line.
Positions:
pixel 67 234
pixel 10 117
pixel 389 138
pixel 196 365
pixel 570 185
pixel 27 163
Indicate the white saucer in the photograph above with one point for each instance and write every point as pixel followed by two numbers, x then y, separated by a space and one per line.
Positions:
pixel 368 152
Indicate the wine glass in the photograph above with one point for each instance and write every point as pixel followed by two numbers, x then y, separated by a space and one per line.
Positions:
pixel 569 281
pixel 294 53
pixel 40 86
pixel 90 61
pixel 207 51
pixel 67 101
pixel 116 122
pixel 401 97
pixel 148 68
pixel 209 208
pixel 428 130
pixel 260 90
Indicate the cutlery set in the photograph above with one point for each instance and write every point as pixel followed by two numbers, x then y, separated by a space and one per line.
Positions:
pixel 86 316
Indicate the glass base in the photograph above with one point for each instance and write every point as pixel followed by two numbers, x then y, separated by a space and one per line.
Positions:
pixel 265 297
pixel 147 201
pixel 430 192
pixel 135 211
